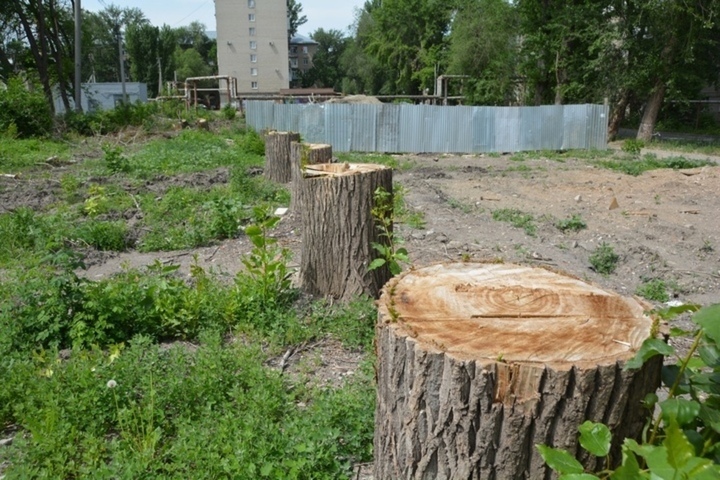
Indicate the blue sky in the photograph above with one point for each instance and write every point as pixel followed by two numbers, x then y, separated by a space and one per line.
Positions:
pixel 327 14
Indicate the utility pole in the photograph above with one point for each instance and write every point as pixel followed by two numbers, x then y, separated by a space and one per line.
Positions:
pixel 78 56
pixel 122 64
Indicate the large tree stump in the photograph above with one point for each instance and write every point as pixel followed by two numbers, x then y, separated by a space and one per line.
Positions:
pixel 302 155
pixel 338 229
pixel 277 155
pixel 478 363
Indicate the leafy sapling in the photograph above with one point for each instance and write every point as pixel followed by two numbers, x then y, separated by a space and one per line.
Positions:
pixel 389 252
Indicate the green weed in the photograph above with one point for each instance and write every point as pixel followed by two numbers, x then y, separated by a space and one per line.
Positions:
pixel 391 255
pixel 115 162
pixel 651 162
pixel 633 146
pixel 604 260
pixel 574 223
pixel 517 219
pixel 655 290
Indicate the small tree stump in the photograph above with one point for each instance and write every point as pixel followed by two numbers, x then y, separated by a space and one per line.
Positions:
pixel 202 124
pixel 338 229
pixel 301 155
pixel 277 155
pixel 478 363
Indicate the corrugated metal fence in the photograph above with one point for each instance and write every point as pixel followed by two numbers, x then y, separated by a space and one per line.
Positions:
pixel 434 129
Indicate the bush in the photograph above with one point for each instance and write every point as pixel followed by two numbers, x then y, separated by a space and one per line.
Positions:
pixel 23 112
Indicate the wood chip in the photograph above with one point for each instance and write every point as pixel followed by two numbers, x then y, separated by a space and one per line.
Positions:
pixel 691 212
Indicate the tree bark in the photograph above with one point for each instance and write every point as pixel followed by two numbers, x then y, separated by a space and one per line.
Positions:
pixel 478 363
pixel 618 115
pixel 301 155
pixel 277 155
pixel 339 229
pixel 650 114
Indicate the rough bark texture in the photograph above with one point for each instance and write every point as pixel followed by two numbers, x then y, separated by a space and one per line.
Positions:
pixel 478 363
pixel 338 229
pixel 650 114
pixel 618 115
pixel 301 155
pixel 277 155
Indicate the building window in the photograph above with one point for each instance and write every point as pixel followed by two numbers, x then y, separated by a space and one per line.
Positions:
pixel 251 17
pixel 253 45
pixel 305 61
pixel 293 62
pixel 253 72
pixel 304 49
pixel 293 49
pixel 253 85
pixel 252 31
pixel 253 58
pixel 251 3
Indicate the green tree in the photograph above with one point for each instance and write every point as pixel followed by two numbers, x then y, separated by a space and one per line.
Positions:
pixel 295 17
pixel 362 72
pixel 150 49
pixel 190 63
pixel 409 39
pixel 326 70
pixel 483 45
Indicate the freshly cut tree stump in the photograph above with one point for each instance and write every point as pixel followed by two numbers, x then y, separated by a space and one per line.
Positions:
pixel 277 155
pixel 301 155
pixel 338 229
pixel 478 363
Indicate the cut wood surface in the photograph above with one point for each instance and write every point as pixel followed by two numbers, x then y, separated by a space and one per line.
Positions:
pixel 477 363
pixel 277 155
pixel 301 156
pixel 339 229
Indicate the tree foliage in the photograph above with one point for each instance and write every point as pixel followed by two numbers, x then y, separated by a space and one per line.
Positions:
pixel 295 17
pixel 326 70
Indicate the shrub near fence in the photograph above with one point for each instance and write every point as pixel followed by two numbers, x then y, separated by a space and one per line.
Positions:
pixel 436 129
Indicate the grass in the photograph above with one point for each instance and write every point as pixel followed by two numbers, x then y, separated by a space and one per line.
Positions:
pixel 687 146
pixel 151 374
pixel 636 166
pixel 20 155
pixel 517 219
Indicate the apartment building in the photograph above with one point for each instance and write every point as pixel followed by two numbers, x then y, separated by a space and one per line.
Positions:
pixel 302 51
pixel 252 44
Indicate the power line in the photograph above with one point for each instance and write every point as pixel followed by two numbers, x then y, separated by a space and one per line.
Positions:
pixel 190 14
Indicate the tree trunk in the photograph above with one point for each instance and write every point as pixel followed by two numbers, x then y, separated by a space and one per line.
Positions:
pixel 56 46
pixel 301 155
pixel 339 229
pixel 618 115
pixel 478 363
pixel 650 114
pixel 277 155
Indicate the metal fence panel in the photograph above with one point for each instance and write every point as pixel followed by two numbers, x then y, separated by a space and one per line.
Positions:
pixel 312 123
pixel 388 129
pixel 436 129
pixel 507 131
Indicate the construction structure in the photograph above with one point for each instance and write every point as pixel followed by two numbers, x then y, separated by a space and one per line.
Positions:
pixel 252 45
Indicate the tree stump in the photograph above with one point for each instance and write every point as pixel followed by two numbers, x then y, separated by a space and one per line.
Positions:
pixel 478 363
pixel 277 155
pixel 338 229
pixel 301 155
